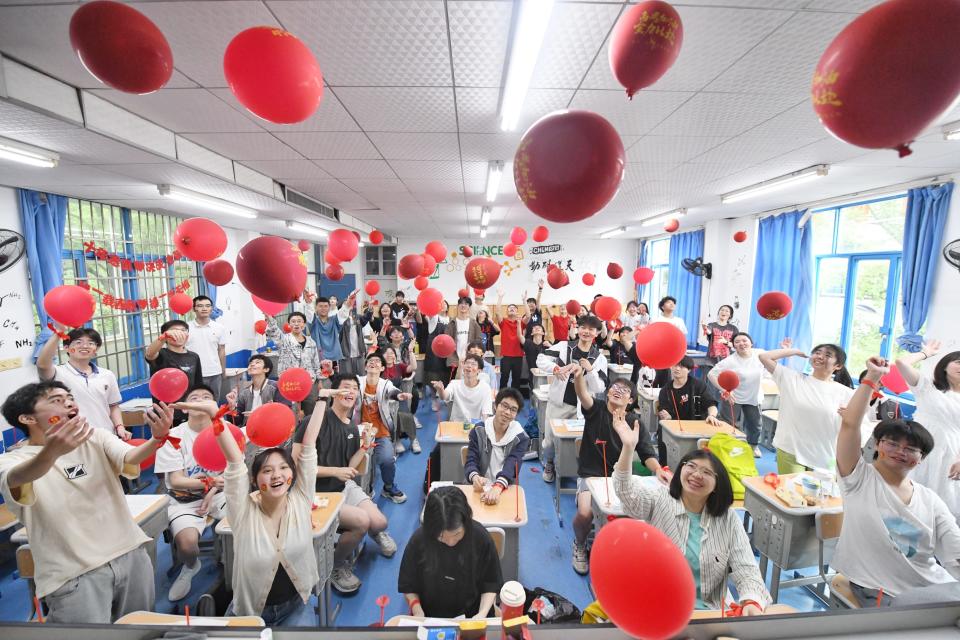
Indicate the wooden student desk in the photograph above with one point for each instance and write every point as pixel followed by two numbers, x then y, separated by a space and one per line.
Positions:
pixel 503 515
pixel 565 457
pixel 771 394
pixel 784 534
pixel 451 436
pixel 680 437
pixel 325 521
pixel 539 397
pixel 151 618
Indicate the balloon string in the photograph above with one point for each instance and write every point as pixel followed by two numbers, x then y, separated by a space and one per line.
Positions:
pixel 517 477
pixel 217 418
pixel 38 609
pixel 880 597
pixel 60 334
pixel 673 396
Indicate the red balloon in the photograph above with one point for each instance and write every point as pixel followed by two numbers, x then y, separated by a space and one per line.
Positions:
pixel 482 273
pixel 608 308
pixel 269 308
pixel 540 233
pixel 200 239
pixel 890 74
pixel 568 166
pixel 218 272
pixel 443 346
pixel 70 305
pixel 728 380
pixel 294 385
pixel 518 236
pixel 287 328
pixel 430 302
pixel 894 381
pixel 207 452
pixel 644 44
pixel 478 292
pixel 181 303
pixel 303 245
pixel 649 609
pixel 260 326
pixel 573 307
pixel 144 464
pixel 271 424
pixel 589 279
pixel 740 236
pixel 421 283
pixel 429 265
pixel 661 345
pixel 410 266
pixel 614 270
pixel 466 251
pixel 643 275
pixel 329 258
pixel 273 74
pixel 334 272
pixel 463 293
pixel 376 237
pixel 121 47
pixel 774 305
pixel 437 250
pixel 372 288
pixel 272 268
pixel 343 245
pixel 557 278
pixel 168 385
pixel 509 249
pixel 672 225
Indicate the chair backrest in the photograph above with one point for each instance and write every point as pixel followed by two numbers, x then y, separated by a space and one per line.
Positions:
pixel 498 535
pixel 577 443
pixel 463 455
pixel 828 525
pixel 702 443
pixel 25 561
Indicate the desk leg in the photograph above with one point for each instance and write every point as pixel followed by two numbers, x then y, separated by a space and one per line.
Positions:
pixel 775 583
pixel 510 565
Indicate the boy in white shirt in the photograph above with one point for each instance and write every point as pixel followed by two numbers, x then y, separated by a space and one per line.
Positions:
pixel 90 564
pixel 194 492
pixel 472 399
pixel 894 530
pixel 208 339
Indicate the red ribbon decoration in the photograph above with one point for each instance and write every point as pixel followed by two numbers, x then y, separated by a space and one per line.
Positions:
pixel 208 483
pixel 100 253
pixel 517 476
pixel 224 410
pixel 673 396
pixel 174 442
pixel 60 334
pixel 131 306
pixel 772 479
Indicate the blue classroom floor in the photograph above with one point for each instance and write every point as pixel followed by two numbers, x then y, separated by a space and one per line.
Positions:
pixel 545 549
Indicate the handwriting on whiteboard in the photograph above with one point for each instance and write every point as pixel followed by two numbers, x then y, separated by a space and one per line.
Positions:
pixel 13 334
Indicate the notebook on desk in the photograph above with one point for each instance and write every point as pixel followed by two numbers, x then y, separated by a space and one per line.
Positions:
pixel 574 424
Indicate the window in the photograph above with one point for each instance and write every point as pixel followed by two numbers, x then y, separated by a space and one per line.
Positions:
pixel 381 261
pixel 135 236
pixel 858 254
pixel 660 263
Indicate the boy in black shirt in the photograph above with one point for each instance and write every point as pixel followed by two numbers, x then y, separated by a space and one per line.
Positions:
pixel 398 308
pixel 169 351
pixel 598 426
pixel 622 351
pixel 688 396
pixel 533 345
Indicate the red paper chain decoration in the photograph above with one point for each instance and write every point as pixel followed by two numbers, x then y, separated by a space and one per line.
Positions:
pixel 126 264
pixel 123 304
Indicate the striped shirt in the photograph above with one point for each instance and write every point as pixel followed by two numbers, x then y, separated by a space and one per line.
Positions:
pixel 724 548
pixel 292 354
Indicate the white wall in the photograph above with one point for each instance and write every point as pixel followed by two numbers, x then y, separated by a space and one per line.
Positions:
pixel 589 256
pixel 239 313
pixel 942 323
pixel 733 264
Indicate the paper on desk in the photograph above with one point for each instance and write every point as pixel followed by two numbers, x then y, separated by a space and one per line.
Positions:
pixel 136 403
pixel 574 424
pixel 429 622
pixel 197 621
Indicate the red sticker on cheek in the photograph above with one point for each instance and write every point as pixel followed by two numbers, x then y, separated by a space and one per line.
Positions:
pixel 54 419
pixel 263 487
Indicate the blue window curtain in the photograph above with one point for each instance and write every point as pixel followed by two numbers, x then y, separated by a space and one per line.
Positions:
pixel 44 217
pixel 927 209
pixel 644 262
pixel 683 285
pixel 784 263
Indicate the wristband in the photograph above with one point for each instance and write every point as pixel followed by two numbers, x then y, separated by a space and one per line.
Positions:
pixel 117 427
pixel 413 603
pixel 876 388
pixel 65 337
pixel 744 603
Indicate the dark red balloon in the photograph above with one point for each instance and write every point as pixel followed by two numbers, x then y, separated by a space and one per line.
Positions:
pixel 643 275
pixel 509 249
pixel 672 225
pixel 334 272
pixel 181 303
pixel 589 279
pixel 268 307
pixel 272 268
pixel 260 326
pixel 614 271
pixel 429 265
pixel 774 305
pixel 168 385
pixel 273 74
pixel 218 272
pixel 890 73
pixel 421 282
pixel 661 345
pixel 540 233
pixel 121 47
pixel 728 380
pixel 466 251
pixel 207 452
pixel 343 245
pixel 557 278
pixel 376 237
pixel 410 266
pixel 70 305
pixel 482 273
pixel 303 245
pixel 518 236
pixel 568 166
pixel 372 287
pixel 287 328
pixel 607 308
pixel 430 302
pixel 740 236
pixel 644 44
pixel 573 307
pixel 200 239
pixel 463 293
pixel 329 258
pixel 437 250
pixel 443 346
pixel 294 385
pixel 147 463
pixel 270 425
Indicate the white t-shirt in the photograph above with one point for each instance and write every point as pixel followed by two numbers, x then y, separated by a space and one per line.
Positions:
pixel 498 448
pixel 887 544
pixel 170 459
pixel 94 393
pixel 809 421
pixel 939 412
pixel 463 336
pixel 676 321
pixel 634 321
pixel 469 404
pixel 750 370
pixel 76 514
pixel 205 341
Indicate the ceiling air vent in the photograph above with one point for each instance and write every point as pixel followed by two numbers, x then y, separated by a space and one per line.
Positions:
pixel 298 199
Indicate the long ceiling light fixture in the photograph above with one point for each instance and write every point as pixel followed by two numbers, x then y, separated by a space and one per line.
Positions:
pixel 761 188
pixel 306 228
pixel 494 173
pixel 951 131
pixel 531 27
pixel 485 217
pixel 660 217
pixel 483 232
pixel 612 233
pixel 216 204
pixel 27 154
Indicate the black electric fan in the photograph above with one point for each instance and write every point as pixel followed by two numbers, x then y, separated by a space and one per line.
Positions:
pixel 12 248
pixel 698 267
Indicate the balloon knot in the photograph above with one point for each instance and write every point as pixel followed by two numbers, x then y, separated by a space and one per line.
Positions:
pixel 904 150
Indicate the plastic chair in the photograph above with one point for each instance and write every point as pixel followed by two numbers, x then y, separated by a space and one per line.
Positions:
pixel 463 456
pixel 828 526
pixel 498 535
pixel 25 568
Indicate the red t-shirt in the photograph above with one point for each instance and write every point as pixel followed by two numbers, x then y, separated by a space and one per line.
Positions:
pixel 561 328
pixel 509 342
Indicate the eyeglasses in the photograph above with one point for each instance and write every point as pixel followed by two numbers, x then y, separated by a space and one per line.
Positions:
pixel 896 446
pixel 82 343
pixel 509 408
pixel 693 467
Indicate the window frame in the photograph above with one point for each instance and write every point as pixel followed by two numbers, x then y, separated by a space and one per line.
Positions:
pixel 661 271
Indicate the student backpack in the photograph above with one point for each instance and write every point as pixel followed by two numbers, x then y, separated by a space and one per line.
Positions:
pixel 737 458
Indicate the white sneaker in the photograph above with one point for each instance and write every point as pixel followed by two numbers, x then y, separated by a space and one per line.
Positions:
pixel 581 561
pixel 416 421
pixel 415 446
pixel 757 453
pixel 549 473
pixel 387 546
pixel 181 586
pixel 344 579
pixel 398 448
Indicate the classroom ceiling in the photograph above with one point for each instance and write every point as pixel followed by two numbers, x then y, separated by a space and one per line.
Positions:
pixel 409 119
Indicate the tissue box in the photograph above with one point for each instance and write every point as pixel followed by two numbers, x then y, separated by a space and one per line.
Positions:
pixel 436 633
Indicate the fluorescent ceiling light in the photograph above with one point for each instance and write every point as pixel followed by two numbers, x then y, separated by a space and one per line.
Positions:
pixel 306 228
pixel 27 154
pixel 483 232
pixel 613 232
pixel 494 173
pixel 767 186
pixel 532 23
pixel 660 217
pixel 216 204
pixel 485 216
pixel 951 131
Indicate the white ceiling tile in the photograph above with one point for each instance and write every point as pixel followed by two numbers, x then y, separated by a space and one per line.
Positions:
pixel 670 149
pixel 245 146
pixel 80 146
pixel 166 173
pixel 632 117
pixel 852 6
pixel 382 43
pixel 755 4
pixel 401 108
pixel 723 114
pixel 327 187
pixel 484 147
pixel 575 35
pixel 417 146
pixel 479 32
pixel 17 119
pixel 477 108
pixel 330 116
pixel 283 170
pixel 353 169
pixel 182 110
pixel 375 185
pixel 427 169
pixel 332 145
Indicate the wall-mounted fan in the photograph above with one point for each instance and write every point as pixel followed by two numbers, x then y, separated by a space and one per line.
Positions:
pixel 951 253
pixel 12 248
pixel 698 267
